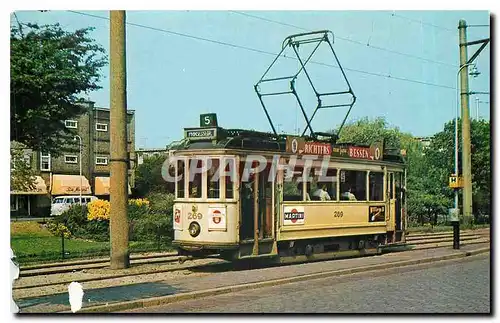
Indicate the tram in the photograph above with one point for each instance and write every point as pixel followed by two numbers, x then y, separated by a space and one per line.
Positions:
pixel 244 194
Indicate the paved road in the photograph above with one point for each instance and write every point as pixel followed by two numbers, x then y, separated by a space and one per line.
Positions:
pixel 462 286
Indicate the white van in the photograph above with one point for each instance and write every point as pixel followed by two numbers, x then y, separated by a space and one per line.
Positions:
pixel 62 203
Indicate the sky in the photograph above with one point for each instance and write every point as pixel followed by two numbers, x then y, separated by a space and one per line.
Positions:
pixel 402 65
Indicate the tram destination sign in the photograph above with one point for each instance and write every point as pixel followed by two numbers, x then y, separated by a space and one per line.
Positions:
pixel 200 134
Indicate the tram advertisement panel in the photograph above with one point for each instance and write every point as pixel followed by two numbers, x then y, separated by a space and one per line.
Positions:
pixel 298 145
pixel 376 213
pixel 293 215
pixel 217 218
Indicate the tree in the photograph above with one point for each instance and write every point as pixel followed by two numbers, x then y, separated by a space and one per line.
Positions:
pixel 149 177
pixel 50 69
pixel 366 132
pixel 441 156
pixel 425 197
pixel 22 176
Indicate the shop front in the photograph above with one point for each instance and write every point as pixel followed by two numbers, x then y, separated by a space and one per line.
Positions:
pixel 34 202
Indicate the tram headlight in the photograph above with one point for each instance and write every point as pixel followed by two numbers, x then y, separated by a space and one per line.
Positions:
pixel 194 229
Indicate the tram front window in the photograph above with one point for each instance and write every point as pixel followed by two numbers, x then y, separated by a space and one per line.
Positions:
pixel 180 179
pixel 195 178
pixel 213 182
pixel 230 167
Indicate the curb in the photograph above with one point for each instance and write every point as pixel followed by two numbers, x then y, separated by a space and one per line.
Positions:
pixel 161 300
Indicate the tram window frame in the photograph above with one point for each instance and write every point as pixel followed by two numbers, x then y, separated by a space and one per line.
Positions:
pixel 181 180
pixel 357 188
pixel 210 174
pixel 390 184
pixel 381 186
pixel 315 182
pixel 227 177
pixel 293 184
pixel 198 177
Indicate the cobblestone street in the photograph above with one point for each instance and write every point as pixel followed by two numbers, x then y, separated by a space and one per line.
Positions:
pixel 458 287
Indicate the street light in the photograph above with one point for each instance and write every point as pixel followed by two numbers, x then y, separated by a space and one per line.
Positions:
pixel 80 161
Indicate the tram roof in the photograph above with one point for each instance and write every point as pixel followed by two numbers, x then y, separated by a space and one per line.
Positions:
pixel 219 138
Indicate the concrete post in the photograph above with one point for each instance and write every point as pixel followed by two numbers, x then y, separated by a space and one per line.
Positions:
pixel 466 147
pixel 118 135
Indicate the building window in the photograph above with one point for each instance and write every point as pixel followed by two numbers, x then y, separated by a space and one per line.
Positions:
pixel 101 127
pixel 45 161
pixel 72 124
pixel 13 202
pixel 101 160
pixel 70 159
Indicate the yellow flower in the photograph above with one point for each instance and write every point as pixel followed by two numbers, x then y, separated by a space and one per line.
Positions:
pixel 98 210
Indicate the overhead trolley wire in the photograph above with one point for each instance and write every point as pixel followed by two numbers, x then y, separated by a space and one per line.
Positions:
pixel 348 40
pixel 264 52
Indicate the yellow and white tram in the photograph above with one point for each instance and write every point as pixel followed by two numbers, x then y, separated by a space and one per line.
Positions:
pixel 247 194
pixel 244 194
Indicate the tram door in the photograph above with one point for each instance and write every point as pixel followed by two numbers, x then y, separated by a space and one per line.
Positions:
pixel 247 197
pixel 392 202
pixel 398 180
pixel 256 206
pixel 265 204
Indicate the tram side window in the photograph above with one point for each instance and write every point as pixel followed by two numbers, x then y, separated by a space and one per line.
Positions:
pixel 376 186
pixel 213 182
pixel 195 178
pixel 353 185
pixel 293 185
pixel 230 167
pixel 181 178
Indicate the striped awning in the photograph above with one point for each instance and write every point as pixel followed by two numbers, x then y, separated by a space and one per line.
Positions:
pixel 102 185
pixel 40 188
pixel 69 185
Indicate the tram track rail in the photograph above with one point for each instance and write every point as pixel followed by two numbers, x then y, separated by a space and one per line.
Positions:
pixel 172 257
pixel 430 242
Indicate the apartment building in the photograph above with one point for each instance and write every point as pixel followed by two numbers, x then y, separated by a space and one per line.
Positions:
pixel 61 175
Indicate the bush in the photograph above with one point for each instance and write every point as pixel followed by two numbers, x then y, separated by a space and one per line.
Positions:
pixel 58 229
pixel 155 222
pixel 73 218
pixel 98 210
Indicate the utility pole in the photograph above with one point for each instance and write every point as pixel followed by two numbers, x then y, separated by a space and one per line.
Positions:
pixel 466 150
pixel 120 256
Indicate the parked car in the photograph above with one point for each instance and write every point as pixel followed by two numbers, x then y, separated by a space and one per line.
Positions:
pixel 63 203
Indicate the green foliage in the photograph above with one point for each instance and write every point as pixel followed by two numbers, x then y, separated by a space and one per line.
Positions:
pixel 367 132
pixel 49 69
pixel 428 169
pixel 440 159
pixel 75 218
pixel 58 229
pixel 157 222
pixel 149 177
pixel 22 176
